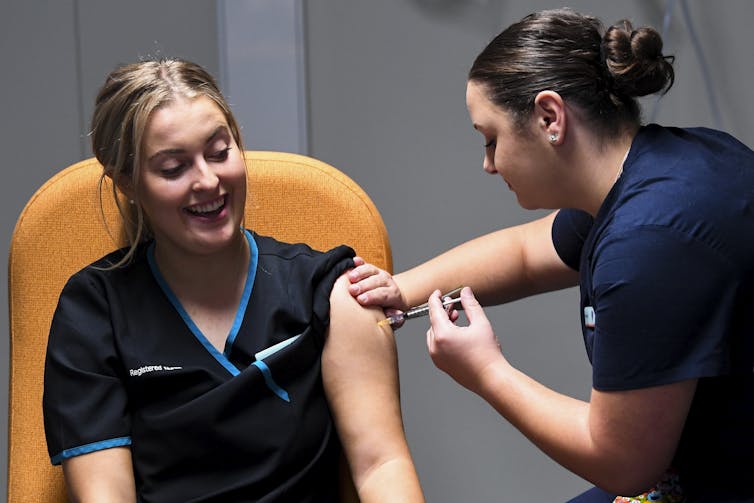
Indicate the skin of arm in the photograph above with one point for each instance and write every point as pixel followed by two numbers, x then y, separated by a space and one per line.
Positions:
pixel 622 441
pixel 502 266
pixel 104 476
pixel 360 376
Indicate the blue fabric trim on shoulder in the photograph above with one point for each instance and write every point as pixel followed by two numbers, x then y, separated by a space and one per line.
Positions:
pixel 248 287
pixel 87 448
pixel 220 357
pixel 267 374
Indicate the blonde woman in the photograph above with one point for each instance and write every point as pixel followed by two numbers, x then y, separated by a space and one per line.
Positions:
pixel 205 362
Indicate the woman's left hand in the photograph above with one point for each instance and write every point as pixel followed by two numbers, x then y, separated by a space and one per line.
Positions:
pixel 372 286
pixel 464 353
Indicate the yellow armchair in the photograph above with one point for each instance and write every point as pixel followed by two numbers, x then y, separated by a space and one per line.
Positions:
pixel 291 197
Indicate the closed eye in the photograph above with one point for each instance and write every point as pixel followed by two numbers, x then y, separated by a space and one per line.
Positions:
pixel 172 172
pixel 220 155
pixel 490 143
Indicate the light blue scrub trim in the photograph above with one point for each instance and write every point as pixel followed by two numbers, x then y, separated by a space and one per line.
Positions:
pixel 276 347
pixel 250 276
pixel 267 374
pixel 93 447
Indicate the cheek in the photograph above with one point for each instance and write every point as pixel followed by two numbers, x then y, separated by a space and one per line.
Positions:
pixel 235 168
pixel 158 193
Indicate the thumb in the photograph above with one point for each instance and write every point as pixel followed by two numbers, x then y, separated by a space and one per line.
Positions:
pixel 471 306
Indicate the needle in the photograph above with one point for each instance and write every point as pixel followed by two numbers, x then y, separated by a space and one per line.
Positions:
pixel 415 312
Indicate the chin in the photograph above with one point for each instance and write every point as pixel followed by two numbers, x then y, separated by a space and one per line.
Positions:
pixel 527 205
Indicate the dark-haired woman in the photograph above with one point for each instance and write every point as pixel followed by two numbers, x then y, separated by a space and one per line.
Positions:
pixel 655 225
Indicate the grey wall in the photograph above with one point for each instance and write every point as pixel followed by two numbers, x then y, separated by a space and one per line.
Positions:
pixel 55 55
pixel 386 105
pixel 386 84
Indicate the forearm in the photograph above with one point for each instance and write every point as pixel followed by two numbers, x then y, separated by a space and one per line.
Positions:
pixel 104 477
pixel 393 480
pixel 500 267
pixel 614 455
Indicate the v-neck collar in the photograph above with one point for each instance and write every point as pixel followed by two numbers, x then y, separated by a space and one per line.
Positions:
pixel 224 357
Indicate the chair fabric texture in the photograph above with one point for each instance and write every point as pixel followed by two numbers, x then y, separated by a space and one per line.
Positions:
pixel 70 222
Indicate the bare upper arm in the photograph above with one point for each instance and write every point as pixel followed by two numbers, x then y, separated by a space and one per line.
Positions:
pixel 641 428
pixel 102 476
pixel 360 375
pixel 545 270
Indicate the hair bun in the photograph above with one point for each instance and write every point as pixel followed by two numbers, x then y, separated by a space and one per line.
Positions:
pixel 635 61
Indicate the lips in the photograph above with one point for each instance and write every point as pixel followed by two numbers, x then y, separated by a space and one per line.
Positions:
pixel 208 209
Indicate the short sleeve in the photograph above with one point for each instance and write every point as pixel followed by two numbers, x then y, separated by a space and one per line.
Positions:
pixel 85 401
pixel 662 304
pixel 326 269
pixel 569 231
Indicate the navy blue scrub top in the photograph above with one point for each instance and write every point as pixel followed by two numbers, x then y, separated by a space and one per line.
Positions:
pixel 667 293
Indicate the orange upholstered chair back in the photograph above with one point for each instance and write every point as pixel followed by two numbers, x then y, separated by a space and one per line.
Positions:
pixel 291 197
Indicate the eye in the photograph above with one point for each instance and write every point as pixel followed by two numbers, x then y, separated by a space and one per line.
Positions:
pixel 173 171
pixel 490 144
pixel 220 155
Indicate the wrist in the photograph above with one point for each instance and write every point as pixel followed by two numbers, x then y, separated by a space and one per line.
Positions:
pixel 493 378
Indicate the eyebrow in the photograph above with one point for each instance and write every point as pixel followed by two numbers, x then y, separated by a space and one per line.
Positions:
pixel 174 151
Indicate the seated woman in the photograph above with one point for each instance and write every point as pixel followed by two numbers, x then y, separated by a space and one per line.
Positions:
pixel 204 362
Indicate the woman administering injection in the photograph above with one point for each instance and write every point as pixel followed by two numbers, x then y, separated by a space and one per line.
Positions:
pixel 656 227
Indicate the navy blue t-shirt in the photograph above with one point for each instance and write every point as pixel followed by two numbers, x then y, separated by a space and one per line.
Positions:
pixel 667 293
pixel 126 366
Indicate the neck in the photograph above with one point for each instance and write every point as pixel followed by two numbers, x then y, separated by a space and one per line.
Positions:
pixel 216 275
pixel 603 168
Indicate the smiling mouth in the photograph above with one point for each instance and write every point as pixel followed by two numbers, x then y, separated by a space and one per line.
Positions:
pixel 209 209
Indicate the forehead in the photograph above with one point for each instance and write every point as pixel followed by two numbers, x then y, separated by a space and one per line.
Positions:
pixel 183 120
pixel 481 110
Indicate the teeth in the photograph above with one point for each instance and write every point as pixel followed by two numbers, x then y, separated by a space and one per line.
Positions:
pixel 207 207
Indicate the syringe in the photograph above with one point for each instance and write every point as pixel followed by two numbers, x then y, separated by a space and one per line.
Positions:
pixel 414 312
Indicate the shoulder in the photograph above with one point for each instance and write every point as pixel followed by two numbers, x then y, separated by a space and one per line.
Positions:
pixel 344 305
pixel 692 145
pixel 102 273
pixel 300 260
pixel 694 183
pixel 271 247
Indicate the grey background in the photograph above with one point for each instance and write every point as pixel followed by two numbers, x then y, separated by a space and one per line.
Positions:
pixel 383 94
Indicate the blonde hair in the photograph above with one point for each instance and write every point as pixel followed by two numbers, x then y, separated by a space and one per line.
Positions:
pixel 124 105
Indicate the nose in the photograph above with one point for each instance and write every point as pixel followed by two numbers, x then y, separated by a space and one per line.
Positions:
pixel 206 178
pixel 489 165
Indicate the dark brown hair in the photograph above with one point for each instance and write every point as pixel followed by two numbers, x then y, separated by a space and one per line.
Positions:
pixel 563 51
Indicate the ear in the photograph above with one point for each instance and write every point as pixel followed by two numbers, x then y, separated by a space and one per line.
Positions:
pixel 550 116
pixel 125 185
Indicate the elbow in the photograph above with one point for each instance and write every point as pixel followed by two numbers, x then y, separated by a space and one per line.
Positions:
pixel 631 480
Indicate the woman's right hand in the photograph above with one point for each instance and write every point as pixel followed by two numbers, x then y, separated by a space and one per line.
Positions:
pixel 372 286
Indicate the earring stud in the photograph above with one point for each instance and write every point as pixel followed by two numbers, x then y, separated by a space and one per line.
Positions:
pixel 553 138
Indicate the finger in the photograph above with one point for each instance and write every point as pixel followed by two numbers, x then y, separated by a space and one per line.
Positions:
pixel 438 317
pixel 365 283
pixel 361 272
pixel 381 297
pixel 472 307
pixel 449 307
pixel 359 261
